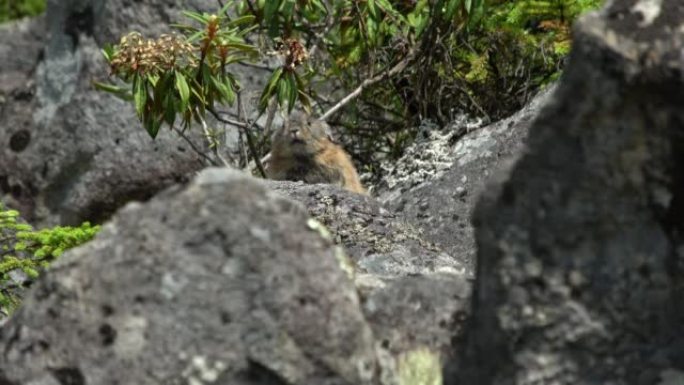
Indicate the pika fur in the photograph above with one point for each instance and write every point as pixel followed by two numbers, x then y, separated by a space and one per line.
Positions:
pixel 303 150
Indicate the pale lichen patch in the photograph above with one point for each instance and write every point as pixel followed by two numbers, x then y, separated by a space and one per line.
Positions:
pixel 649 9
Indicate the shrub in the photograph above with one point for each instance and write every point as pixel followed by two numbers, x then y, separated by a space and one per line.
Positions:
pixel 25 252
pixel 397 62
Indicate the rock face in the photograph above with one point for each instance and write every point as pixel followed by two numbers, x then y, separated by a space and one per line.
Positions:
pixel 437 183
pixel 581 261
pixel 69 153
pixel 222 282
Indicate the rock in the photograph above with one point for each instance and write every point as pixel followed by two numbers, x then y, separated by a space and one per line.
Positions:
pixel 220 282
pixel 68 152
pixel 438 195
pixel 427 310
pixel 27 38
pixel 224 281
pixel 580 247
pixel 413 294
pixel 378 241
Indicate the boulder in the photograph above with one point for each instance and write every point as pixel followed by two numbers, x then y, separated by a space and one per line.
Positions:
pixel 226 281
pixel 437 182
pixel 68 152
pixel 220 282
pixel 580 253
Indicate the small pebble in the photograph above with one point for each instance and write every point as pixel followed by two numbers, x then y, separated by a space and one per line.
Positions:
pixel 461 191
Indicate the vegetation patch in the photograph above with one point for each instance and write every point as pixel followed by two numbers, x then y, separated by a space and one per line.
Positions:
pixel 26 252
pixel 17 9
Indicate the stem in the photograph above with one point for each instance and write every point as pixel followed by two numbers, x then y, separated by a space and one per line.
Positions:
pixel 399 67
pixel 250 140
pixel 207 160
pixel 213 146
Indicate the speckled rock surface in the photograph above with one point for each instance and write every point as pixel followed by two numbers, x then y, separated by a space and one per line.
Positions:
pixel 581 262
pixel 219 282
pixel 68 152
pixel 437 193
pixel 378 241
pixel 412 293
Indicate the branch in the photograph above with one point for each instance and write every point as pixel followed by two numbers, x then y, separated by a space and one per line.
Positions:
pixel 213 145
pixel 194 147
pixel 246 129
pixel 250 141
pixel 399 67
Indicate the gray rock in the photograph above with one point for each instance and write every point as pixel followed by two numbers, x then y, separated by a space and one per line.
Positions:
pixel 378 241
pixel 69 153
pixel 580 247
pixel 220 282
pixel 413 294
pixel 428 311
pixel 438 195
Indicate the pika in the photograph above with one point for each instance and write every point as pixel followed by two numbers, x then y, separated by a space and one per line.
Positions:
pixel 303 150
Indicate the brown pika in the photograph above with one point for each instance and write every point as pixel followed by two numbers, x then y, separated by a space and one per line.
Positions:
pixel 303 150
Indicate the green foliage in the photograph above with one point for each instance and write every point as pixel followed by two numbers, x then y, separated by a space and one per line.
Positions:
pixel 180 75
pixel 28 251
pixel 16 9
pixel 405 61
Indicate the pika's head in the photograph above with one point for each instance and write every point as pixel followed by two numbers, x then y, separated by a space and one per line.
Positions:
pixel 301 135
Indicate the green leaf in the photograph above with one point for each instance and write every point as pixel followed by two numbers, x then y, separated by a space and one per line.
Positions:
pixel 292 91
pixel 117 91
pixel 224 89
pixel 468 5
pixel 318 4
pixel 247 19
pixel 196 36
pixel 283 90
pixel 183 90
pixel 270 87
pixel 242 46
pixel 152 125
pixel 288 9
pixel 270 9
pixel 139 94
pixel 224 10
pixel 196 16
pixel 108 52
pixel 372 10
pixel 169 112
pixel 452 6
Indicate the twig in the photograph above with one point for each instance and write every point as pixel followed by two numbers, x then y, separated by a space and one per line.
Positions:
pixel 250 141
pixel 369 82
pixel 213 146
pixel 246 129
pixel 207 159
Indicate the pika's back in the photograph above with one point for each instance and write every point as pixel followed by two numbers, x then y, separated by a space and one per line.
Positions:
pixel 303 150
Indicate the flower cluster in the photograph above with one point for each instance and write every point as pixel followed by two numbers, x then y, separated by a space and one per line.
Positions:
pixel 134 54
pixel 293 53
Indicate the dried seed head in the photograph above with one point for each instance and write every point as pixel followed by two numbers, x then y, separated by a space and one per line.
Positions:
pixel 137 55
pixel 293 53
